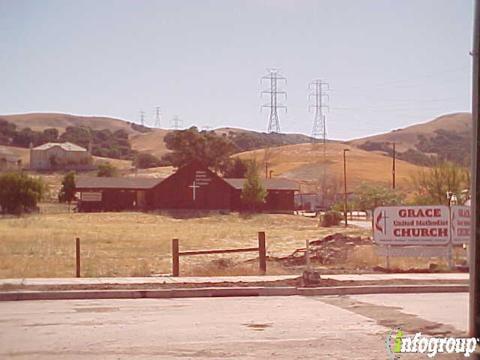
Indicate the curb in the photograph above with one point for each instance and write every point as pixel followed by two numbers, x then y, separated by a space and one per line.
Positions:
pixel 227 292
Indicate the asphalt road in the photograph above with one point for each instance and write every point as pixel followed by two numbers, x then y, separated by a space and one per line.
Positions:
pixel 293 327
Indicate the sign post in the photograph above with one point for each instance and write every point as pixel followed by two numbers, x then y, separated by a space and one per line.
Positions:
pixel 475 229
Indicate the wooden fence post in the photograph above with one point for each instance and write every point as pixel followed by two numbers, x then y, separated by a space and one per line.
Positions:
pixel 262 253
pixel 77 256
pixel 307 255
pixel 175 258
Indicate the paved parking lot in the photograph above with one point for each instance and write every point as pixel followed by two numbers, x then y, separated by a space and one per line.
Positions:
pixel 218 328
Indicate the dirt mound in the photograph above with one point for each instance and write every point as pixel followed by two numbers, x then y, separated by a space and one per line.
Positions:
pixel 331 249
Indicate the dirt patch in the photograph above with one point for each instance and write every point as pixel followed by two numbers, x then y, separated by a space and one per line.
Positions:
pixel 391 317
pixel 258 327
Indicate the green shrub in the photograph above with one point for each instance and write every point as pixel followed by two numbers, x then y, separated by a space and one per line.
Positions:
pixel 146 161
pixel 67 191
pixel 253 193
pixel 20 193
pixel 106 170
pixel 330 218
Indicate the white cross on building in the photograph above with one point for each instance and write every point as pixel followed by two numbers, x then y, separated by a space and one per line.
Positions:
pixel 194 187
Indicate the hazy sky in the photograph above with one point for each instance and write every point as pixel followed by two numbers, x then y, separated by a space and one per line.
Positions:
pixel 389 63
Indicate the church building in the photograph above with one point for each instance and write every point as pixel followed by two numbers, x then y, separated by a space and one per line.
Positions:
pixel 191 187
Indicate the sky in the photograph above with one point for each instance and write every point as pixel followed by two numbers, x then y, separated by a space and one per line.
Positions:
pixel 389 64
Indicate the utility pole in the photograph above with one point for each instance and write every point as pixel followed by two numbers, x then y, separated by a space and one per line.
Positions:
pixel 393 166
pixel 475 198
pixel 157 117
pixel 273 79
pixel 142 118
pixel 177 122
pixel 345 196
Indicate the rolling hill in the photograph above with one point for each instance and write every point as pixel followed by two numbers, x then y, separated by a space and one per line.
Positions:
pixel 149 140
pixel 59 121
pixel 447 137
pixel 407 138
pixel 304 163
pixel 295 158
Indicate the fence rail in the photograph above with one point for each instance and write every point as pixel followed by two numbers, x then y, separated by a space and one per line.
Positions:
pixel 262 256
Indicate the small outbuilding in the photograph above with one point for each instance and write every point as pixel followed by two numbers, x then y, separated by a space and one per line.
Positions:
pixel 53 156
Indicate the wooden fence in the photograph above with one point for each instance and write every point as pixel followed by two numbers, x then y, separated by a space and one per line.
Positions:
pixel 176 253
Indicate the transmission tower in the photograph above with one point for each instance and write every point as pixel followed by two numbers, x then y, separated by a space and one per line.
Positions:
pixel 157 117
pixel 177 123
pixel 318 89
pixel 142 118
pixel 273 79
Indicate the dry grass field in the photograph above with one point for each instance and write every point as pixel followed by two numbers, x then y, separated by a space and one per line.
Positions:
pixel 138 244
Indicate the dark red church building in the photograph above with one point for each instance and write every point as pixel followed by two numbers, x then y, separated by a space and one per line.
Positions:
pixel 192 187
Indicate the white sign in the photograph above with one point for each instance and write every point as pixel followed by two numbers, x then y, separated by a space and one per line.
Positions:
pixel 202 178
pixel 411 225
pixel 91 196
pixel 461 224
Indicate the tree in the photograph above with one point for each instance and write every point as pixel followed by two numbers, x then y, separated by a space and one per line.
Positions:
pixel 431 185
pixel 204 146
pixel 328 188
pixel 25 137
pixel 369 196
pixel 79 135
pixel 107 170
pixel 67 192
pixel 49 135
pixel 19 193
pixel 236 168
pixel 146 161
pixel 253 192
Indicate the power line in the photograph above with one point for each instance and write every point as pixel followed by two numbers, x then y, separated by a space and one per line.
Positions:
pixel 142 118
pixel 405 83
pixel 273 79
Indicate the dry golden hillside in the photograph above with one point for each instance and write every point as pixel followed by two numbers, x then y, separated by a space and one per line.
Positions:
pixel 151 142
pixel 407 138
pixel 303 162
pixel 41 121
